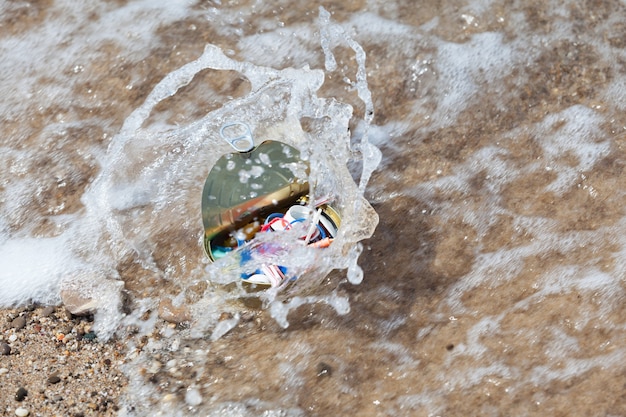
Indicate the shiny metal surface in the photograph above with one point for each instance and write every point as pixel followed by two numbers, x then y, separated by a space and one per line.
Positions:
pixel 242 187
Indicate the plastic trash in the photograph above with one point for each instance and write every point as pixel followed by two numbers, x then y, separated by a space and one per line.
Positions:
pixel 261 189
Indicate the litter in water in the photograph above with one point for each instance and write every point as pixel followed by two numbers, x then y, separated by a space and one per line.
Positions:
pixel 257 190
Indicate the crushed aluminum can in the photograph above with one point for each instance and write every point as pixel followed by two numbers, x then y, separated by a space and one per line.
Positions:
pixel 259 190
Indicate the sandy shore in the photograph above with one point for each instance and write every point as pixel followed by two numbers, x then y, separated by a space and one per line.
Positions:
pixel 59 363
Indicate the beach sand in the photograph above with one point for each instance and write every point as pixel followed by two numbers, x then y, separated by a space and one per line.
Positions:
pixel 59 362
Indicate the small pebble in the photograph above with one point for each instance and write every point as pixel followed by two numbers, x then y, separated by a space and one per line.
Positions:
pixel 21 394
pixel 21 412
pixel 5 349
pixel 91 336
pixel 247 316
pixel 65 330
pixel 4 371
pixel 13 338
pixel 324 369
pixel 171 313
pixel 19 323
pixel 48 311
pixel 54 379
pixel 169 397
pixel 225 316
pixel 155 366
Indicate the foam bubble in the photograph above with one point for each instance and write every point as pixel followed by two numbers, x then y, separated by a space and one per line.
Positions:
pixel 462 69
pixel 64 43
pixel 32 269
pixel 573 131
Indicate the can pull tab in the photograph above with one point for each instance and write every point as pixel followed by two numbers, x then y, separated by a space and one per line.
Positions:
pixel 238 135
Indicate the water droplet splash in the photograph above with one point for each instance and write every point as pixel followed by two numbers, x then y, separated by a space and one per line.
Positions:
pixel 143 207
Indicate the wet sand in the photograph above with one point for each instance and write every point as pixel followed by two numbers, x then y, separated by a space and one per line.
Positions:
pixel 59 363
pixel 487 291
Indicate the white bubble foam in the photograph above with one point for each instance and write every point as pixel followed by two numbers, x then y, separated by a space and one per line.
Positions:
pixel 65 44
pixel 464 69
pixel 32 269
pixel 574 131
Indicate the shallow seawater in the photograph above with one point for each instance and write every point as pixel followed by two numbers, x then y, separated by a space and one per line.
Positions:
pixel 493 283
